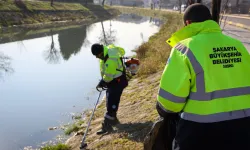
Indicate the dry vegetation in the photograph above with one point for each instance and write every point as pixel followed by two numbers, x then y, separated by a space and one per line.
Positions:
pixel 154 53
pixel 137 110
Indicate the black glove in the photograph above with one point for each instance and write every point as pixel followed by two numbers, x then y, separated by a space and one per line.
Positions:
pixel 102 84
pixel 166 115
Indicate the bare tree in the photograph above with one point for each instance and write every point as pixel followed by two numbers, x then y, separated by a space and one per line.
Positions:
pixel 107 37
pixel 142 37
pixel 104 34
pixel 5 64
pixel 180 3
pixel 216 4
pixel 103 1
pixel 160 3
pixel 237 3
pixel 51 2
pixel 224 11
pixel 52 55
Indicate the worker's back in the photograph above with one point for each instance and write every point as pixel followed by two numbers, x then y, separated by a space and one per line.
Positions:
pixel 225 61
pixel 206 81
pixel 218 67
pixel 219 100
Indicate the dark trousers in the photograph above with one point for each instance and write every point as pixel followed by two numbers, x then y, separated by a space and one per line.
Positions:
pixel 227 135
pixel 113 95
pixel 166 135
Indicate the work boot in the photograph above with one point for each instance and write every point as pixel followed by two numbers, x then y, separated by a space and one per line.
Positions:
pixel 106 127
pixel 111 120
pixel 115 121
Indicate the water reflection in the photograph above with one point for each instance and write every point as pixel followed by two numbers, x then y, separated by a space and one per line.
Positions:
pixel 52 55
pixel 53 90
pixel 107 36
pixel 156 21
pixel 71 41
pixel 132 18
pixel 13 35
pixel 5 65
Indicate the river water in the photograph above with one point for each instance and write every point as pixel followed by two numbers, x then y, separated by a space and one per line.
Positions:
pixel 47 77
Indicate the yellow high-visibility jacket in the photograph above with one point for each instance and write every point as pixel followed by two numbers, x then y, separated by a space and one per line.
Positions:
pixel 112 68
pixel 207 76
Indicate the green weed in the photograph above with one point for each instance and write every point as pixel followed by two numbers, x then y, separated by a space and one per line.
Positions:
pixel 59 146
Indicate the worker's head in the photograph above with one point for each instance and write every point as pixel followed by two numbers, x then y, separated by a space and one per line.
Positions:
pixel 196 13
pixel 97 50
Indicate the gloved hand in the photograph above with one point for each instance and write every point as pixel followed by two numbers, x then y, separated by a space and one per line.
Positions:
pixel 102 84
pixel 166 115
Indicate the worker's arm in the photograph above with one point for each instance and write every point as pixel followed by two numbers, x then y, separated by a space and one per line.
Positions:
pixel 110 69
pixel 174 84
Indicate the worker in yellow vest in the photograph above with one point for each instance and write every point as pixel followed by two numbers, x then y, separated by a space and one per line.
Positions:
pixel 113 75
pixel 207 82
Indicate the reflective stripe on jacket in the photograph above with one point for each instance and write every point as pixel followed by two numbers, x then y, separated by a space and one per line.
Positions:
pixel 206 76
pixel 109 67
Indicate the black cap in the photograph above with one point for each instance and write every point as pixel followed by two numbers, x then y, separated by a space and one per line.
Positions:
pixel 96 49
pixel 197 13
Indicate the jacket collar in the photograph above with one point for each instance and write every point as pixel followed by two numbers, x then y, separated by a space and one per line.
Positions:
pixel 193 29
pixel 105 50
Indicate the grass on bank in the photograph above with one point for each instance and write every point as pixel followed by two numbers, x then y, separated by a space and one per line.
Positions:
pixel 153 54
pixel 136 112
pixel 32 12
pixel 11 5
pixel 21 12
pixel 56 147
pixel 72 128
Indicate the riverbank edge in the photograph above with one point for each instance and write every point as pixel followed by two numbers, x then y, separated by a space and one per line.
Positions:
pixel 92 14
pixel 137 111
